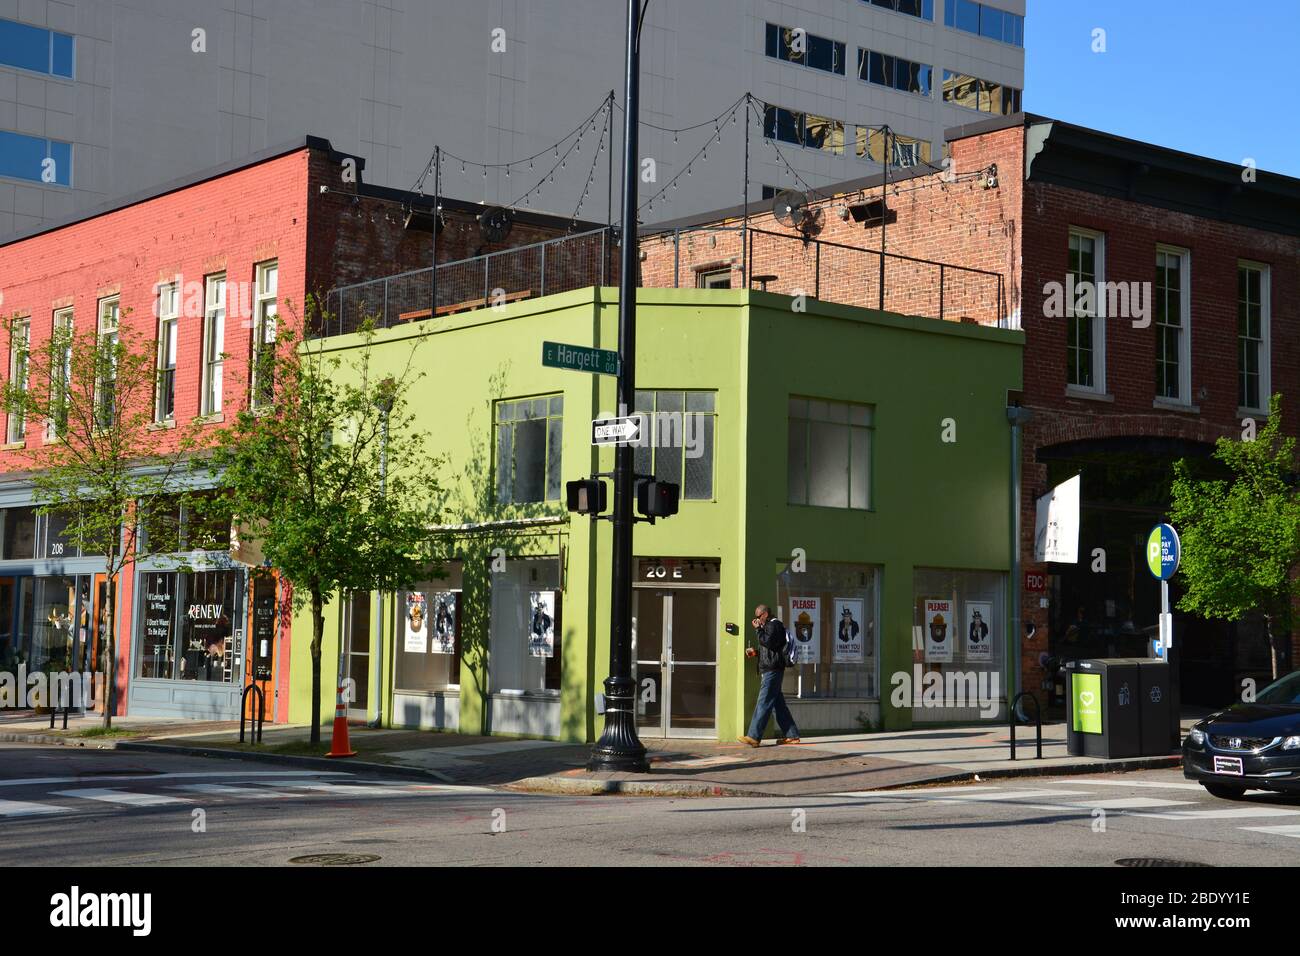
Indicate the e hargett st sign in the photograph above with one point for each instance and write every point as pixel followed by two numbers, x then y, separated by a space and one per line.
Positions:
pixel 579 358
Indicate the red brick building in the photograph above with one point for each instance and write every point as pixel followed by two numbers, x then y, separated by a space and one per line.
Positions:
pixel 198 266
pixel 1196 268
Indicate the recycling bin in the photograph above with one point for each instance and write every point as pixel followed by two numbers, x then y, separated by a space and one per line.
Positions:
pixel 1102 713
pixel 1156 700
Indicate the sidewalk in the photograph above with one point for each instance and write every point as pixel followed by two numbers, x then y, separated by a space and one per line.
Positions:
pixel 836 764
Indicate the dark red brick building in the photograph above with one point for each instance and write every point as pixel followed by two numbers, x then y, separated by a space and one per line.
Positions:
pixel 1195 266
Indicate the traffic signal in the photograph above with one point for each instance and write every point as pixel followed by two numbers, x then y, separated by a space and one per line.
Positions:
pixel 657 499
pixel 586 496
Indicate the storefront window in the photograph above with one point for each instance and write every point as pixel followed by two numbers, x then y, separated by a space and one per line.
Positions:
pixel 19 533
pixel 526 627
pixel 45 622
pixel 959 632
pixel 186 628
pixel 428 633
pixel 832 610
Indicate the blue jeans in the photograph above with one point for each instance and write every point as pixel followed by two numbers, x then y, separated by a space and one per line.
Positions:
pixel 771 699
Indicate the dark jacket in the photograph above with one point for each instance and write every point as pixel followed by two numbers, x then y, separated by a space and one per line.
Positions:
pixel 771 646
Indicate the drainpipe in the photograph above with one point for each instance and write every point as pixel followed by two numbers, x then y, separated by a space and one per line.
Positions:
pixel 1016 418
pixel 385 404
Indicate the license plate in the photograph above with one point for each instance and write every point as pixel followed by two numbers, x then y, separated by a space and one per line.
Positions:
pixel 1230 765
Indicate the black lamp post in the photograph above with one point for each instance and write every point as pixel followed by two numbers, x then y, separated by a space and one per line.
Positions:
pixel 619 748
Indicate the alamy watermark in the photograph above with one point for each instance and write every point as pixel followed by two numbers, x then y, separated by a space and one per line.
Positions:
pixel 684 430
pixel 1121 300
pixel 65 688
pixel 949 688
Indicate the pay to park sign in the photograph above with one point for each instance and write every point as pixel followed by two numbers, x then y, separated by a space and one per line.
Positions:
pixel 1163 551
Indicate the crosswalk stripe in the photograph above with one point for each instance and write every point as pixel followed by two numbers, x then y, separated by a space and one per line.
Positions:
pixel 1171 785
pixel 1003 795
pixel 1129 803
pixel 1290 830
pixel 1233 813
pixel 120 797
pixel 20 808
pixel 222 790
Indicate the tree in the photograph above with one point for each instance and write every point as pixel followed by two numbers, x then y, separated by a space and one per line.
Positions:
pixel 98 463
pixel 329 473
pixel 1241 537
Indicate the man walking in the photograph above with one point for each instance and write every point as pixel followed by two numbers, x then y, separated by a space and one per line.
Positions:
pixel 772 638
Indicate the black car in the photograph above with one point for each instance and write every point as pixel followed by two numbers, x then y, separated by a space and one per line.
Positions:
pixel 1253 746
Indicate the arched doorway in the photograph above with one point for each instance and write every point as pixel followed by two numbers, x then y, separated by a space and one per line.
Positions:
pixel 1107 604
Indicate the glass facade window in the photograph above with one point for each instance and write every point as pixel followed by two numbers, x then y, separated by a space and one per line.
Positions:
pixel 26 47
pixel 528 444
pixel 1171 315
pixel 817 52
pixel 830 454
pixel 894 72
pixel 972 93
pixel 526 628
pixel 832 610
pixel 35 159
pixel 195 522
pixel 214 342
pixel 20 343
pixel 19 533
pixel 265 313
pixel 1084 329
pixel 677 445
pixel 1252 337
pixel 921 9
pixel 905 151
pixel 168 318
pixel 959 634
pixel 428 640
pixel 803 129
pixel 186 623
pixel 985 21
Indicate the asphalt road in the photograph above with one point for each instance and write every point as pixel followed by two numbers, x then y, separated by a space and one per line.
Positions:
pixel 63 806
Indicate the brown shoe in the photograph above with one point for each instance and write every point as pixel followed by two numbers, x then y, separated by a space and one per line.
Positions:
pixel 787 740
pixel 749 741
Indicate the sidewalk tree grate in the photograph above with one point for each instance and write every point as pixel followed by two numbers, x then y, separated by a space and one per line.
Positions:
pixel 1154 861
pixel 335 859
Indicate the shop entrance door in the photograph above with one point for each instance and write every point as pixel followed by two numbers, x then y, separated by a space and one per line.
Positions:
pixel 675 646
pixel 356 653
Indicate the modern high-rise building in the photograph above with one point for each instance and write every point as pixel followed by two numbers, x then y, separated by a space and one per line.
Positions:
pixel 101 99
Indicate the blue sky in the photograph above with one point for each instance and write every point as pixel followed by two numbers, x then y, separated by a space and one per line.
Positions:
pixel 1208 77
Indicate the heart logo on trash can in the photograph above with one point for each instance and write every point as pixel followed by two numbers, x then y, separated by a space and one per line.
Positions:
pixel 1087 697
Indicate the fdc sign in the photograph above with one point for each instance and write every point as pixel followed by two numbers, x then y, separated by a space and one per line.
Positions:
pixel 1163 551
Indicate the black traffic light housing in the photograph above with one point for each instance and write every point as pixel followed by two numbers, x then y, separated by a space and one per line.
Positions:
pixel 586 496
pixel 657 499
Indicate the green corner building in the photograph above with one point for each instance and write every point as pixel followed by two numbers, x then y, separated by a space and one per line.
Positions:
pixel 850 468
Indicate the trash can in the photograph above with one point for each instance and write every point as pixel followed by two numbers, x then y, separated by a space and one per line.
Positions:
pixel 1156 702
pixel 1102 714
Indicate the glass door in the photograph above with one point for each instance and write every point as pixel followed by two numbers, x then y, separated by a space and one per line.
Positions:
pixel 356 653
pixel 675 641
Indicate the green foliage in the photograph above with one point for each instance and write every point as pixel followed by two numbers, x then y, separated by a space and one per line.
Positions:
pixel 330 475
pixel 1241 537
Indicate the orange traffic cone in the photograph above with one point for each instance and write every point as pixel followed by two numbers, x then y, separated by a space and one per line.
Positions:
pixel 339 746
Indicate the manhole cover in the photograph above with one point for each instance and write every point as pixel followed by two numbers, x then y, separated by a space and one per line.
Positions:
pixel 335 859
pixel 1154 861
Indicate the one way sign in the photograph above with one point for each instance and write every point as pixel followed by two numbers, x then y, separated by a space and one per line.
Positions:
pixel 616 431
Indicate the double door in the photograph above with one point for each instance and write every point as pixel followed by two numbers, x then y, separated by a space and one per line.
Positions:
pixel 675 647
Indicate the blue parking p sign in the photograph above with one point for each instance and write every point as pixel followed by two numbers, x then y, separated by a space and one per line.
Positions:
pixel 1163 551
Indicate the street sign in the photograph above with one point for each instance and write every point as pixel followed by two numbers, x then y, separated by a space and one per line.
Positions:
pixel 1163 551
pixel 616 431
pixel 579 358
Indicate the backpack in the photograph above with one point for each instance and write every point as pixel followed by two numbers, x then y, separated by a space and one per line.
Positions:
pixel 791 650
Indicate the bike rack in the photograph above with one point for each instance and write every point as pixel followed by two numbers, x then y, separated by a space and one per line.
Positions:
pixel 261 713
pixel 67 706
pixel 1038 720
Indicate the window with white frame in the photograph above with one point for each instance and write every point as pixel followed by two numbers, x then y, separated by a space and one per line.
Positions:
pixel 1173 325
pixel 214 342
pixel 110 314
pixel 20 342
pixel 1252 336
pixel 60 374
pixel 1085 308
pixel 168 318
pixel 528 449
pixel 264 319
pixel 829 461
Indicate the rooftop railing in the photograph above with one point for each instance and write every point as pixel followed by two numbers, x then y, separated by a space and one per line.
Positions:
pixel 786 263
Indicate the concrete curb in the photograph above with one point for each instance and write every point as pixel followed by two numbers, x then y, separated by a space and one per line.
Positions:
pixel 57 741
pixel 679 788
